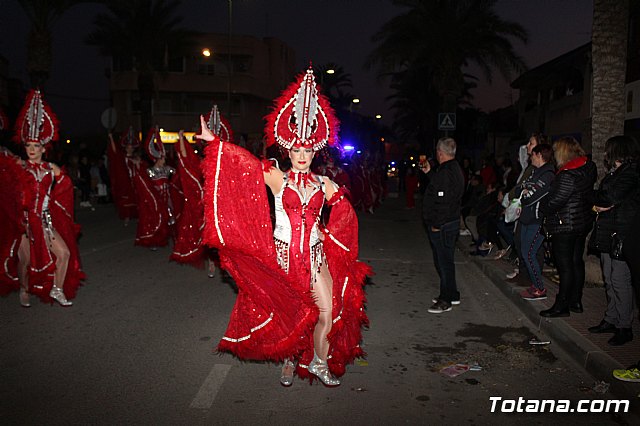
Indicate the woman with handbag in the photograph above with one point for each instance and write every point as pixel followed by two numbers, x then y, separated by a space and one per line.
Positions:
pixel 616 203
pixel 568 219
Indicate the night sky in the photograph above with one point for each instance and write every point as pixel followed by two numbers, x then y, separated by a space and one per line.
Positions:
pixel 321 31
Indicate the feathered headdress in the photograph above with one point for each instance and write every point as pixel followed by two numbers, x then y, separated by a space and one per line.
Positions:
pixel 36 122
pixel 218 125
pixel 130 138
pixel 153 144
pixel 302 117
pixel 4 121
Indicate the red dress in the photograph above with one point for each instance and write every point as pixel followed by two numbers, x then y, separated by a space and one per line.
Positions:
pixel 156 213
pixel 411 184
pixel 274 315
pixel 47 203
pixel 122 172
pixel 188 248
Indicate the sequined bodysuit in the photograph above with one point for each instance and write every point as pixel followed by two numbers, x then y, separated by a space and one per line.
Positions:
pixel 296 233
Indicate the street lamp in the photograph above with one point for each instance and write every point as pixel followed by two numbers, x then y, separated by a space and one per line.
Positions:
pixel 206 52
pixel 331 71
pixel 378 116
pixel 356 101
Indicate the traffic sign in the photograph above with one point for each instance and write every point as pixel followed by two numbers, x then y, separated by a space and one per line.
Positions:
pixel 447 121
pixel 109 118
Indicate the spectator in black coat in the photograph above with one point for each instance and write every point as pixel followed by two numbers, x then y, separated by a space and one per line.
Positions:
pixel 568 219
pixel 441 216
pixel 616 202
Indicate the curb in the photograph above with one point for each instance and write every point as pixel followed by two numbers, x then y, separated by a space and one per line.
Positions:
pixel 596 362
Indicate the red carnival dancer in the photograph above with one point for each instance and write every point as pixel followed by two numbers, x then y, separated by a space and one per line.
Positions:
pixel 188 246
pixel 301 295
pixel 124 166
pixel 38 206
pixel 336 173
pixel 156 194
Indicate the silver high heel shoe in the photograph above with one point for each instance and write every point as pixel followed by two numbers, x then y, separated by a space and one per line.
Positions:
pixel 57 294
pixel 286 379
pixel 320 369
pixel 24 298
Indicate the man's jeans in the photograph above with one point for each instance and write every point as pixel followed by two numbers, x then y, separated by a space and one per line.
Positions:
pixel 443 245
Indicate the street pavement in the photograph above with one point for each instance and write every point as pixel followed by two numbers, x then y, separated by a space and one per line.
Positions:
pixel 138 346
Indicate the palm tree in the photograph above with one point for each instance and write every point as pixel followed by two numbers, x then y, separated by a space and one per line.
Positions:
pixel 42 14
pixel 609 61
pixel 143 33
pixel 335 86
pixel 434 40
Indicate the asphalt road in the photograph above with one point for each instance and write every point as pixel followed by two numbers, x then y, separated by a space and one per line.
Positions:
pixel 138 345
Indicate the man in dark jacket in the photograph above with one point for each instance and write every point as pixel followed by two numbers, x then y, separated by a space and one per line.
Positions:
pixel 441 215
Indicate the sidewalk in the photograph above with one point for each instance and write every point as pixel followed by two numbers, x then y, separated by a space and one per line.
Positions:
pixel 590 350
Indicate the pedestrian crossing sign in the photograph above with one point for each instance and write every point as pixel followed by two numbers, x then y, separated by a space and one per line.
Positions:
pixel 447 121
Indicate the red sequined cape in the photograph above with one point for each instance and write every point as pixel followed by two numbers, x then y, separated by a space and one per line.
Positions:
pixel 11 218
pixel 271 318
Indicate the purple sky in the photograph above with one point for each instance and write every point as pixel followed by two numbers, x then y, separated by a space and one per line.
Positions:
pixel 321 30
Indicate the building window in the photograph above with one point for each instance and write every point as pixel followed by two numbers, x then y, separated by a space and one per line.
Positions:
pixel 630 101
pixel 135 102
pixel 241 64
pixel 176 65
pixel 206 68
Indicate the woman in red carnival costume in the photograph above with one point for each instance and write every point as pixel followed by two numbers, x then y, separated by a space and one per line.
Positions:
pixel 301 293
pixel 335 172
pixel 357 183
pixel 188 248
pixel 411 184
pixel 366 184
pixel 48 263
pixel 124 166
pixel 158 196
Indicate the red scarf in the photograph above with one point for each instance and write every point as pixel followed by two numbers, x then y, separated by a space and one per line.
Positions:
pixel 574 164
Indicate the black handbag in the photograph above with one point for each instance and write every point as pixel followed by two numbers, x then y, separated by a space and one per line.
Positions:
pixel 616 246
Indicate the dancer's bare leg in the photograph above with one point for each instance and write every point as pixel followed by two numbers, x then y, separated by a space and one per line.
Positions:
pixel 322 293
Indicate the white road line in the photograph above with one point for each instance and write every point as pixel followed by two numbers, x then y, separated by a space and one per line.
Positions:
pixel 210 387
